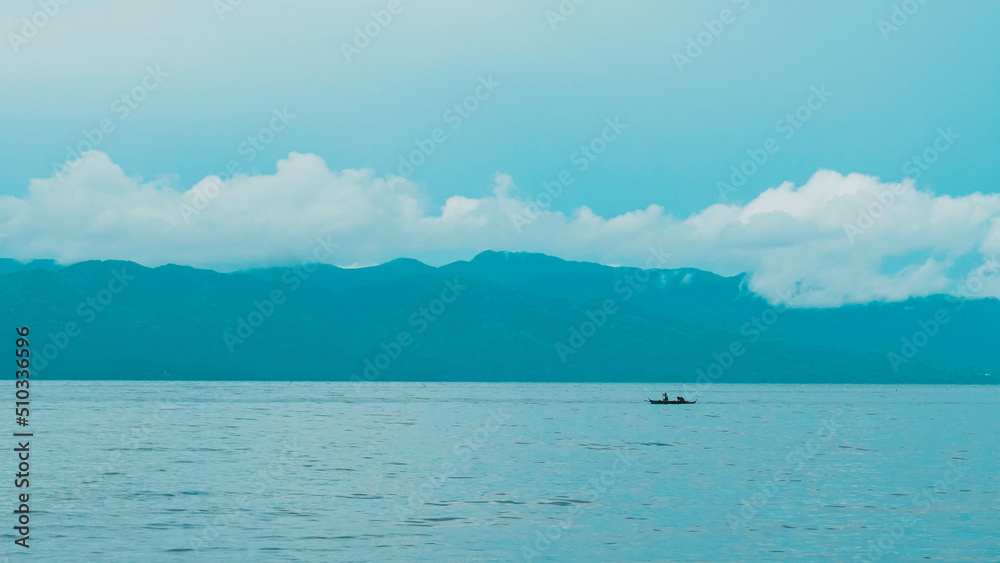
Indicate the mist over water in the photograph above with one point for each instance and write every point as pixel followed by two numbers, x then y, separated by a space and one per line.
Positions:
pixel 238 471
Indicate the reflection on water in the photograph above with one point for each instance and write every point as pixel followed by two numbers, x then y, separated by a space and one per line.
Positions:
pixel 143 471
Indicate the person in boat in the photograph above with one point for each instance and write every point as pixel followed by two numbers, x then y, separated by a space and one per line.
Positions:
pixel 665 397
pixel 680 399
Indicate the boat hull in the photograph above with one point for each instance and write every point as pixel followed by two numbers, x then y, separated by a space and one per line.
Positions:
pixel 651 401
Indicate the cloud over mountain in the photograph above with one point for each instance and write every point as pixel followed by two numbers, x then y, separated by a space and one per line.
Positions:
pixel 834 240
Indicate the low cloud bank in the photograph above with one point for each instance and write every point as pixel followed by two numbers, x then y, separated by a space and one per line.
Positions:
pixel 834 240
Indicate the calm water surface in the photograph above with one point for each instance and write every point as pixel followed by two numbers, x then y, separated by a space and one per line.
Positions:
pixel 150 471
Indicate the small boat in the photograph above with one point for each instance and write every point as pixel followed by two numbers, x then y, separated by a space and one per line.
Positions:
pixel 672 402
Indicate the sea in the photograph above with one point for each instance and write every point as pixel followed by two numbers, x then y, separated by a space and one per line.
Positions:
pixel 380 471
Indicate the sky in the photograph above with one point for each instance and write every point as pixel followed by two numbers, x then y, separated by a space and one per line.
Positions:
pixel 733 136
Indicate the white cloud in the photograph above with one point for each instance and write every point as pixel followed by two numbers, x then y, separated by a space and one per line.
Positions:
pixel 837 239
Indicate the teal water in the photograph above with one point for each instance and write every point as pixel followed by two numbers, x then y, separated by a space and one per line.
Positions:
pixel 179 471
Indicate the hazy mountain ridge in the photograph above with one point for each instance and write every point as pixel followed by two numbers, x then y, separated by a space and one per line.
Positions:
pixel 513 319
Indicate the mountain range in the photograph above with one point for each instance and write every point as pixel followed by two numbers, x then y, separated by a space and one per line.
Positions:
pixel 501 316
